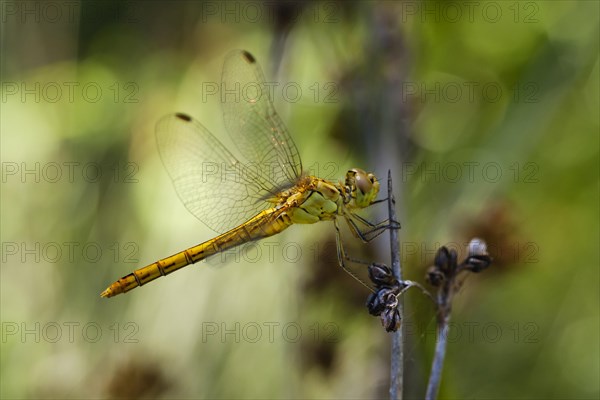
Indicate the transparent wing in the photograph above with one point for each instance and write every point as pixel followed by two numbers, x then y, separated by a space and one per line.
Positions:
pixel 212 184
pixel 253 123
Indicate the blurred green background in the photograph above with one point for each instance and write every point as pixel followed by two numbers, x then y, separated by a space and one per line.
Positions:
pixel 486 113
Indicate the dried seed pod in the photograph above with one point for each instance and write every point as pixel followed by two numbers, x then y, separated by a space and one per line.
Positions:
pixel 381 275
pixel 390 319
pixel 378 301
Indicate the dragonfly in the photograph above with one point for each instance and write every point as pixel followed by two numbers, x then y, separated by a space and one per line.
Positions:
pixel 259 197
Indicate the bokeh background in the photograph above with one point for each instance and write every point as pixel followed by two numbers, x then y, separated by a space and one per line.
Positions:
pixel 486 113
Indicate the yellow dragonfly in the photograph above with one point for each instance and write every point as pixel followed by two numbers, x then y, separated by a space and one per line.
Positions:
pixel 251 200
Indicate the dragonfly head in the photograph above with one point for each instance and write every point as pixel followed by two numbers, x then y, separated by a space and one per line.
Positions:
pixel 362 187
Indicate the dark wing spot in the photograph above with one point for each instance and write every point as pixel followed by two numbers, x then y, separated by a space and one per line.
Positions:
pixel 248 57
pixel 183 117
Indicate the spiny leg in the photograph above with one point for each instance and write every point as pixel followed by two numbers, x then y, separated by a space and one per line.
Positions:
pixel 369 234
pixel 341 254
pixel 385 199
pixel 385 223
pixel 365 236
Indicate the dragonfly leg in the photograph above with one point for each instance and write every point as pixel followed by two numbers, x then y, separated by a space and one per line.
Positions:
pixel 379 201
pixel 342 257
pixel 374 229
pixel 386 223
pixel 370 224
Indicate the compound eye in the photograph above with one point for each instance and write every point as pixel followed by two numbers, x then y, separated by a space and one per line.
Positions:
pixel 363 183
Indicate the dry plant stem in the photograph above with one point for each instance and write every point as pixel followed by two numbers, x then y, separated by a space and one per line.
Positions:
pixel 438 359
pixel 443 319
pixel 397 357
pixel 444 274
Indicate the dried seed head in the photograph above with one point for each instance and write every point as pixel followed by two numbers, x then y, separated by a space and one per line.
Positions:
pixel 390 319
pixel 434 276
pixel 381 275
